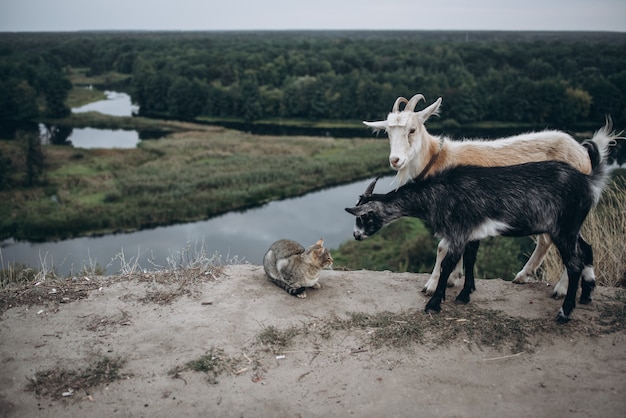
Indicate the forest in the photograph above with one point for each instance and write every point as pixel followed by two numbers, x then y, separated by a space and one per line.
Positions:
pixel 548 79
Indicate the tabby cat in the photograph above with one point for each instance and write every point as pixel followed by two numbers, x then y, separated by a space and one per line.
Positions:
pixel 293 268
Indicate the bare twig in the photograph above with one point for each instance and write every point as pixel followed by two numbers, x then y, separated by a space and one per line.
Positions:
pixel 504 357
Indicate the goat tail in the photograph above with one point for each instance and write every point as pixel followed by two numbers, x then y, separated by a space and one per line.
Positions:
pixel 598 146
pixel 598 149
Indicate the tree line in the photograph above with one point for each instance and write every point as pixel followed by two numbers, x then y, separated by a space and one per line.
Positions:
pixel 549 79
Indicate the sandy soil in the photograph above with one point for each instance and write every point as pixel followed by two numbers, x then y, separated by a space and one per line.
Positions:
pixel 328 367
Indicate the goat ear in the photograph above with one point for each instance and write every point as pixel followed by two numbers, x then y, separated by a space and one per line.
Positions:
pixel 426 113
pixel 377 126
pixel 353 211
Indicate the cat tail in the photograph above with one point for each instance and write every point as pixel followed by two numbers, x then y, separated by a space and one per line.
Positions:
pixel 294 291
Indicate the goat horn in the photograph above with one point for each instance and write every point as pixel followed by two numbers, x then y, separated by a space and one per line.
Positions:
pixel 370 188
pixel 396 105
pixel 411 104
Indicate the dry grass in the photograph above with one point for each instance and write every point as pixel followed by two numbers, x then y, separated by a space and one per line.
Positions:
pixel 166 283
pixel 605 230
pixel 468 323
pixel 276 339
pixel 213 363
pixel 58 383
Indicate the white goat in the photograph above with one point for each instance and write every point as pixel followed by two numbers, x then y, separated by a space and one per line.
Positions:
pixel 415 153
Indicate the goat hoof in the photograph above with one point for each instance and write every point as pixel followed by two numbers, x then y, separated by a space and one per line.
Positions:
pixel 585 300
pixel 432 308
pixel 461 298
pixel 427 292
pixel 523 278
pixel 561 318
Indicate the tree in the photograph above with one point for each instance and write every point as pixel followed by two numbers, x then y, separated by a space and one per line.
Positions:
pixel 250 100
pixel 18 100
pixel 33 156
pixel 56 92
pixel 5 171
pixel 185 99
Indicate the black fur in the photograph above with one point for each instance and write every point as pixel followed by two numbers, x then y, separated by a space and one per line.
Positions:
pixel 291 290
pixel 534 198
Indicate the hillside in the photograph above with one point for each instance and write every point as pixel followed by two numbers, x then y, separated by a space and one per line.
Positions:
pixel 359 346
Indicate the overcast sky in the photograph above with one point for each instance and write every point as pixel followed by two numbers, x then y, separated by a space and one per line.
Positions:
pixel 72 15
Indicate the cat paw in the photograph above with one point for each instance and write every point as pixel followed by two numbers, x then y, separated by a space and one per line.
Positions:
pixel 316 286
pixel 301 295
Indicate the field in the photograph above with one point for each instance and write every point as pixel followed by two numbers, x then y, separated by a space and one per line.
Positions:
pixel 196 172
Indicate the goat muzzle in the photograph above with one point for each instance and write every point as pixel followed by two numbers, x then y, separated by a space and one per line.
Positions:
pixel 395 162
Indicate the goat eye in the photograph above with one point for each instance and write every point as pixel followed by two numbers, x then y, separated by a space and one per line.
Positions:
pixel 412 131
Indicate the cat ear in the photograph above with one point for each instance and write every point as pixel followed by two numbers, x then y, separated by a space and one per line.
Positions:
pixel 320 242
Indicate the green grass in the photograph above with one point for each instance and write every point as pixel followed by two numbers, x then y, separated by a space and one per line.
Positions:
pixel 80 96
pixel 190 175
pixel 79 77
pixel 403 245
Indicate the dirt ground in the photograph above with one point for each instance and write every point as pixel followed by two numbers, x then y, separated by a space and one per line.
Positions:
pixel 359 346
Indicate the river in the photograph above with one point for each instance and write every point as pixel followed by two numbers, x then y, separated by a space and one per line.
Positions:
pixel 241 236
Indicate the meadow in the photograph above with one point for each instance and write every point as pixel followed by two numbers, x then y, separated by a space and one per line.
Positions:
pixel 196 172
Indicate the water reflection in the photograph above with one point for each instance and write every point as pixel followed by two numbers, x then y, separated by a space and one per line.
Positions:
pixel 245 235
pixel 116 104
pixel 93 137
pixel 103 138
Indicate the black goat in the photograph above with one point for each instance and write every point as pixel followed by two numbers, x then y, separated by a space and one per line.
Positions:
pixel 467 203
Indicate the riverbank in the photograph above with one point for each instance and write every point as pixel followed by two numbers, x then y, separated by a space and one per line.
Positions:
pixel 196 172
pixel 224 341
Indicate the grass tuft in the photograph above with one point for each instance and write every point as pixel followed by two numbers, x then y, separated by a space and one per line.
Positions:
pixel 278 339
pixel 213 363
pixel 60 383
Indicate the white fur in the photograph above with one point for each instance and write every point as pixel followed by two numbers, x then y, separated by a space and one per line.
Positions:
pixel 489 228
pixel 457 273
pixel 280 264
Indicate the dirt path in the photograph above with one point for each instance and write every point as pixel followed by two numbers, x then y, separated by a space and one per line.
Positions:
pixel 360 346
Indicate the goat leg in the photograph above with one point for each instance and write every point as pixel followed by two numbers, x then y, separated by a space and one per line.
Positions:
pixel 588 283
pixel 447 265
pixel 570 298
pixel 431 284
pixel 573 261
pixel 469 259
